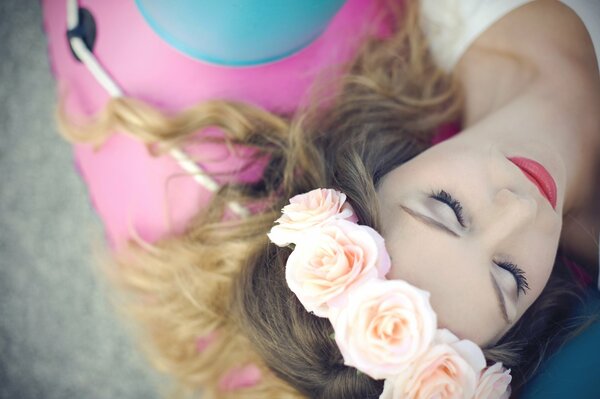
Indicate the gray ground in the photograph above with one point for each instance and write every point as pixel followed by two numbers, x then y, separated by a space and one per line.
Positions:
pixel 59 337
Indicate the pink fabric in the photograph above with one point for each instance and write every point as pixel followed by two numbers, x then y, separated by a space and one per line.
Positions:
pixel 582 276
pixel 445 132
pixel 241 377
pixel 132 191
pixel 202 343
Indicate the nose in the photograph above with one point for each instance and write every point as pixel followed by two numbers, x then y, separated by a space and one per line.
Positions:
pixel 509 213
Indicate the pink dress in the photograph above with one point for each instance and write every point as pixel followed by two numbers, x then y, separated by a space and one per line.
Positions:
pixel 133 192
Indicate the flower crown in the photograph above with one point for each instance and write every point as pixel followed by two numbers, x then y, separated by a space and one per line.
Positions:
pixel 384 328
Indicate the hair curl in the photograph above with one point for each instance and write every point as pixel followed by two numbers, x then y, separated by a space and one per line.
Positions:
pixel 221 275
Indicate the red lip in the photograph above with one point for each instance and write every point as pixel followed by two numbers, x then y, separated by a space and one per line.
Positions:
pixel 539 176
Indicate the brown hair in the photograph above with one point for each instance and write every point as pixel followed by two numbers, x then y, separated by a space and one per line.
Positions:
pixel 223 276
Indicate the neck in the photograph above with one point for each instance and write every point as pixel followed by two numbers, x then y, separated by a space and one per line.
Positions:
pixel 581 227
pixel 580 102
pixel 547 96
pixel 563 121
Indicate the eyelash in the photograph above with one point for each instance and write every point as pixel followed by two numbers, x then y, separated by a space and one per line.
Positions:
pixel 455 205
pixel 522 284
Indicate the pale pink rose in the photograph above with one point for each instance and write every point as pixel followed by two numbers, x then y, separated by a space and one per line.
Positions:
pixel 308 210
pixel 494 383
pixel 333 258
pixel 384 327
pixel 448 370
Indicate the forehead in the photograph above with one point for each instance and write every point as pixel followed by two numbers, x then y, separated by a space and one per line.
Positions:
pixel 447 162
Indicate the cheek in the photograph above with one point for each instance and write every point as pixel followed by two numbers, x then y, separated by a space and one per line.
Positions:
pixel 458 282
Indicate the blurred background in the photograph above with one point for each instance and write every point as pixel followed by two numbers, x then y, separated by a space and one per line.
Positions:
pixel 59 337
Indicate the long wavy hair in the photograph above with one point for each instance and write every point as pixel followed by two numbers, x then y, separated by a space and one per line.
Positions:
pixel 222 279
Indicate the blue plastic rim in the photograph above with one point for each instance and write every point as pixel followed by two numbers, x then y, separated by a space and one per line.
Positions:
pixel 239 32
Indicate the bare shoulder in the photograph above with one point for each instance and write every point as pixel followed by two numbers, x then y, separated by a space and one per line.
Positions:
pixel 545 23
pixel 544 32
pixel 542 41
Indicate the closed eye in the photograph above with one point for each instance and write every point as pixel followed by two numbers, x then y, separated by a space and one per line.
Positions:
pixel 518 275
pixel 454 204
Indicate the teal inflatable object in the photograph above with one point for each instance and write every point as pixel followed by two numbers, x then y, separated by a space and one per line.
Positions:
pixel 239 32
pixel 574 371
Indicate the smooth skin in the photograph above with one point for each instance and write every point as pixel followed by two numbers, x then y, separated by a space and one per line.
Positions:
pixel 532 90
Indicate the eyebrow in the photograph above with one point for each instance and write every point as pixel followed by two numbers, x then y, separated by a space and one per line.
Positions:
pixel 439 226
pixel 501 303
pixel 429 221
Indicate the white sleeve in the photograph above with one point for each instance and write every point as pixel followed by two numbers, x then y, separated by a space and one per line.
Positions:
pixel 451 26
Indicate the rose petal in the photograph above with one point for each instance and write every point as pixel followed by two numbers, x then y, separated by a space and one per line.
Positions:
pixel 308 210
pixel 494 383
pixel 384 327
pixel 330 260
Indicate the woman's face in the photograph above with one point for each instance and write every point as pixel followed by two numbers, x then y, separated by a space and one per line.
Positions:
pixel 464 222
